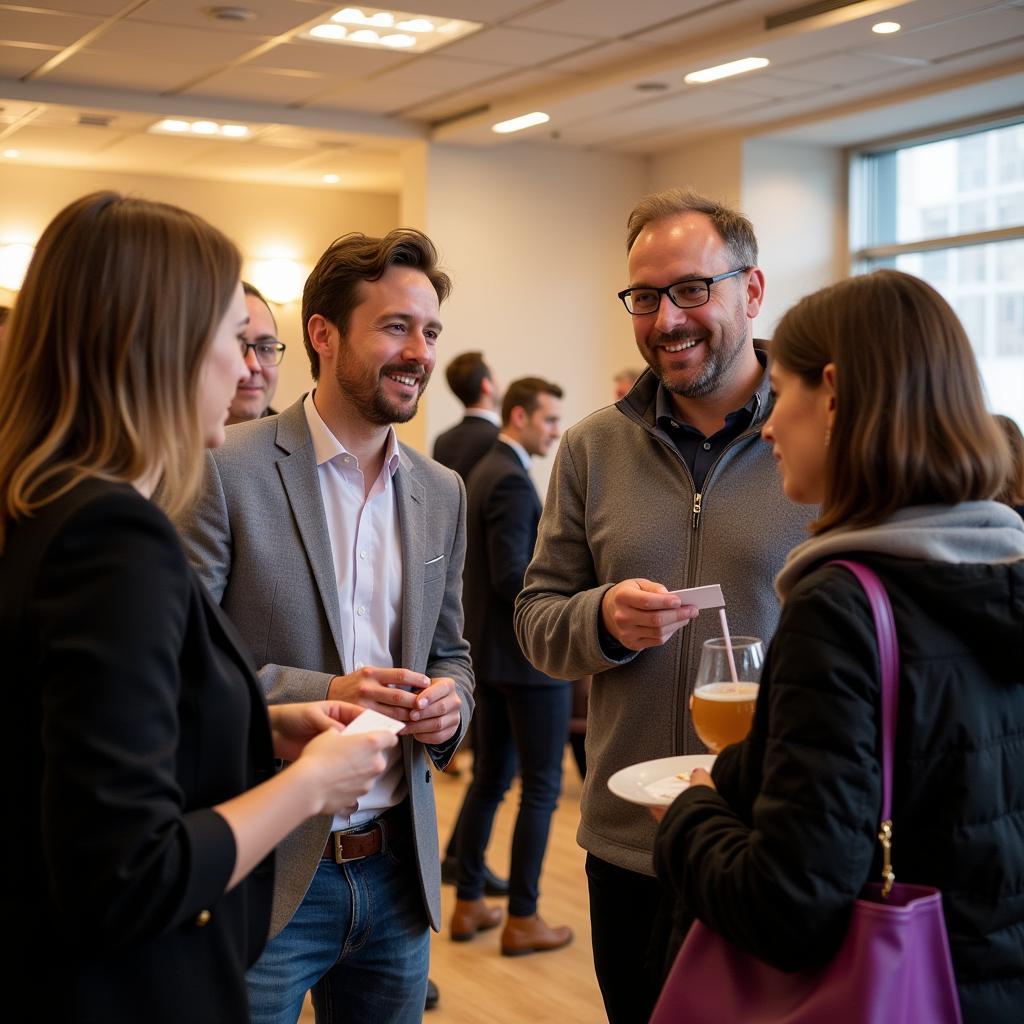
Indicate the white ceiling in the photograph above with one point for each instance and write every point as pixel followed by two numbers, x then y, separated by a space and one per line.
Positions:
pixel 318 108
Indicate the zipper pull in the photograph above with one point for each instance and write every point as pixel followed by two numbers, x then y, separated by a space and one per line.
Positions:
pixel 696 509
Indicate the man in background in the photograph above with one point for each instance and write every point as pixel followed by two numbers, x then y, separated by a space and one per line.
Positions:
pixel 263 355
pixel 462 446
pixel 522 714
pixel 623 381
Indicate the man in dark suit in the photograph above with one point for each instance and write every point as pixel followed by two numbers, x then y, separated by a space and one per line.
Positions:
pixel 461 447
pixel 520 710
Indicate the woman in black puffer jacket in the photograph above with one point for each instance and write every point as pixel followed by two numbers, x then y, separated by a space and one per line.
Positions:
pixel 879 417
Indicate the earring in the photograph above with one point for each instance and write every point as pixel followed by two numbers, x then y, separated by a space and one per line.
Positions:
pixel 828 436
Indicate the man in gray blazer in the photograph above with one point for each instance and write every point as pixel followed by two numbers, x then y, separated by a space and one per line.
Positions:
pixel 338 553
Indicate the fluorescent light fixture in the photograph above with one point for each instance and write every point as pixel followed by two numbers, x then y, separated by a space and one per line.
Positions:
pixel 234 131
pixel 328 32
pixel 12 154
pixel 734 67
pixel 393 30
pixel 354 16
pixel 885 28
pixel 179 126
pixel 331 179
pixel 517 124
pixel 205 127
pixel 169 124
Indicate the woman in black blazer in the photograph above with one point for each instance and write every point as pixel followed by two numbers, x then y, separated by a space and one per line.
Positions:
pixel 145 802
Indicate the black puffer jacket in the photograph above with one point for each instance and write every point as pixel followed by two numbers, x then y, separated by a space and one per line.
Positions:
pixel 774 859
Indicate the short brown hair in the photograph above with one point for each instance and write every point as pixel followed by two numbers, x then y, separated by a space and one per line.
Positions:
pixel 910 422
pixel 735 230
pixel 1013 487
pixel 100 369
pixel 466 374
pixel 251 289
pixel 524 393
pixel 332 290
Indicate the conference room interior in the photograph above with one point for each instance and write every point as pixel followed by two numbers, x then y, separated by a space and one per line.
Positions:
pixel 849 148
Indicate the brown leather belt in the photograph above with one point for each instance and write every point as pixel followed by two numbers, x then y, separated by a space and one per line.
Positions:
pixel 357 843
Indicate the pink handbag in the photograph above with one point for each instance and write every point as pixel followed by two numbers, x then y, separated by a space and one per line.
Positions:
pixel 894 965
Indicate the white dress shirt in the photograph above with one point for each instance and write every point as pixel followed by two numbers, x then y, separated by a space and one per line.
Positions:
pixel 524 455
pixel 366 545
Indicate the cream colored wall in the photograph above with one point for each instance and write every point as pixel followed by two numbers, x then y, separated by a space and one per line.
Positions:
pixel 534 239
pixel 263 220
pixel 714 167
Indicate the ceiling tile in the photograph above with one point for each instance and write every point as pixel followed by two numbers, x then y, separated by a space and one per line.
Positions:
pixel 514 46
pixel 34 140
pixel 423 77
pixel 487 11
pixel 498 91
pixel 188 45
pixel 135 72
pixel 261 85
pixel 606 20
pixel 600 56
pixel 838 69
pixel 951 37
pixel 16 61
pixel 99 8
pixel 273 17
pixel 21 25
pixel 328 59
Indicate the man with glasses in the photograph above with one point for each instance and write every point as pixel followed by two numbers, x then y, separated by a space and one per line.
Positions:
pixel 263 354
pixel 669 488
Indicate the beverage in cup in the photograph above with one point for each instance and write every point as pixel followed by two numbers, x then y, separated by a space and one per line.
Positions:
pixel 725 690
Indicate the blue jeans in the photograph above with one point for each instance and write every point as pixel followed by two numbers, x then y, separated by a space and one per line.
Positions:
pixel 360 940
pixel 530 722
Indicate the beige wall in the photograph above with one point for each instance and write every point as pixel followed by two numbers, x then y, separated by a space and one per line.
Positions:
pixel 534 239
pixel 263 220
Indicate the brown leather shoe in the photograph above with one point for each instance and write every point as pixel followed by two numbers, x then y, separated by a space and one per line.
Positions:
pixel 523 935
pixel 472 916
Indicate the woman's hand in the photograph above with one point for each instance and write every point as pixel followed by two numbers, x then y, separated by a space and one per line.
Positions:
pixel 294 725
pixel 340 769
pixel 698 777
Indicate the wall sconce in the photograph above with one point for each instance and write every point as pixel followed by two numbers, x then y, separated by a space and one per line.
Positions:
pixel 280 280
pixel 14 261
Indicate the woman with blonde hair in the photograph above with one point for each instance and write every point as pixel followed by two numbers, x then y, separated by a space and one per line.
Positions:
pixel 879 418
pixel 145 806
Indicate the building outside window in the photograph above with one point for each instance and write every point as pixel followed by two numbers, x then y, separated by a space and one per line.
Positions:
pixel 951 210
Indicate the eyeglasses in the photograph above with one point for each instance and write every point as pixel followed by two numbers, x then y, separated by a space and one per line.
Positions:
pixel 268 353
pixel 686 294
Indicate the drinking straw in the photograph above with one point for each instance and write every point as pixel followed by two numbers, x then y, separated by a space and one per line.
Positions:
pixel 728 645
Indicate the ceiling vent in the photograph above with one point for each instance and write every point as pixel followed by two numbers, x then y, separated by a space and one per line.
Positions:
pixel 94 120
pixel 806 11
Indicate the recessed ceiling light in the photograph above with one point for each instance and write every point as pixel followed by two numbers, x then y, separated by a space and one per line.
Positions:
pixel 517 124
pixel 397 30
pixel 235 131
pixel 205 127
pixel 12 154
pixel 734 67
pixel 331 179
pixel 229 13
pixel 885 28
pixel 170 124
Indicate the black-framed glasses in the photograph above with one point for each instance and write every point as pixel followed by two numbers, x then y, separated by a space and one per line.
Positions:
pixel 268 353
pixel 686 294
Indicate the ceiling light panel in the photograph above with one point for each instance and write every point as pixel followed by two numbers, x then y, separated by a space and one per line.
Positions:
pixel 380 28
pixel 182 127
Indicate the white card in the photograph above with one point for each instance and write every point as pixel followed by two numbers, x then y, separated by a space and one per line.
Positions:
pixel 373 721
pixel 702 597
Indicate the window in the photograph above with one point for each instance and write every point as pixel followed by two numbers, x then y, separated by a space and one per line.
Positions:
pixel 951 210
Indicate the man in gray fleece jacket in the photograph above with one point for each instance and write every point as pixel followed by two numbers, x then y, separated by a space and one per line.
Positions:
pixel 671 487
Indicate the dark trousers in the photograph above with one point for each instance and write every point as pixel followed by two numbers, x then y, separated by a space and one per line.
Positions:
pixel 623 911
pixel 530 721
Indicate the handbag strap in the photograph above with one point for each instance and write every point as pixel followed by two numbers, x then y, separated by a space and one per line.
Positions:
pixel 889 662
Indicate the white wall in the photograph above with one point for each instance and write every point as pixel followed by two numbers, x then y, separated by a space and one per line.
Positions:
pixel 263 220
pixel 534 237
pixel 714 167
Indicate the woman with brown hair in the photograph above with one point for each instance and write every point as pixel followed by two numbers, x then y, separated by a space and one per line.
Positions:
pixel 1012 493
pixel 879 418
pixel 145 805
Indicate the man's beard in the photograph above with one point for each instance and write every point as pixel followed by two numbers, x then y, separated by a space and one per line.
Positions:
pixel 718 359
pixel 367 393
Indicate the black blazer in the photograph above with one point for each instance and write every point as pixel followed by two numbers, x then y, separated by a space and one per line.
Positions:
pixel 131 712
pixel 461 447
pixel 502 513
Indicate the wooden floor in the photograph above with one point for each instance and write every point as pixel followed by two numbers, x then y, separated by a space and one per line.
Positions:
pixel 479 985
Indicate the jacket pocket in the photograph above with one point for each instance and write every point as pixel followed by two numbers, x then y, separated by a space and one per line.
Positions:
pixel 433 569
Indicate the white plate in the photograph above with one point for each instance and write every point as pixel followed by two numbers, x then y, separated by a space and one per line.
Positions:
pixel 654 783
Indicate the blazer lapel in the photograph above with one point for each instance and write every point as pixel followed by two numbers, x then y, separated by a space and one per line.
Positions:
pixel 302 489
pixel 412 525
